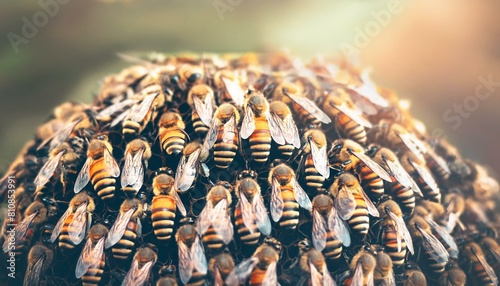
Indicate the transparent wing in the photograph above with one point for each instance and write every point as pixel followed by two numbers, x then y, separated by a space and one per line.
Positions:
pixel 186 172
pixel 358 276
pixel 447 238
pixel 114 108
pixel 372 209
pixel 90 258
pixel 120 117
pixel 487 268
pixel 78 225
pixel 20 231
pixel 137 276
pixel 235 91
pixel 205 218
pixel 144 108
pixel 320 159
pixel 369 90
pixel 275 127
pixel 118 229
pixel 301 196
pixel 433 247
pixel 33 274
pixel 186 265
pixel 402 232
pixel 110 164
pixel 178 202
pixel 133 171
pixel 261 217
pixel 276 201
pixel 83 177
pixel 345 203
pixel 60 136
pixel 318 231
pixel 59 225
pixel 369 278
pixel 211 137
pixel 248 123
pixel 247 213
pixel 413 144
pixel 218 281
pixel 198 256
pixel 229 130
pixel 291 132
pixel 339 227
pixel 316 277
pixel 402 176
pixel 376 168
pixel 327 279
pixel 354 115
pixel 310 107
pixel 222 222
pixel 48 169
pixel 242 271
pixel 270 277
pixel 438 160
pixel 205 109
pixel 426 177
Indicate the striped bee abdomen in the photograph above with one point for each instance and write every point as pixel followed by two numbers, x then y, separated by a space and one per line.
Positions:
pixel 359 222
pixel 351 129
pixel 371 183
pixel 123 248
pixel 244 233
pixel 389 240
pixel 163 215
pixel 103 182
pixel 290 217
pixel 314 179
pixel 260 141
pixel 224 152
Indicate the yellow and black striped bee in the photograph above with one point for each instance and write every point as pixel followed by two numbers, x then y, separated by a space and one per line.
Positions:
pixel 314 162
pixel 192 261
pixel 73 225
pixel 220 267
pixel 223 136
pixel 453 275
pixel 229 85
pixel 477 265
pixel 260 269
pixel 100 168
pixel 189 75
pixel 202 102
pixel 167 275
pixel 418 170
pixel 64 130
pixel 283 117
pixel 91 262
pixel 250 214
pixel 138 116
pixel 313 265
pixel 329 231
pixel 40 260
pixel 140 269
pixel 286 196
pixel 136 155
pixel 164 205
pixel 172 135
pixel 214 223
pixel 189 166
pixel 126 228
pixel 362 268
pixel 352 204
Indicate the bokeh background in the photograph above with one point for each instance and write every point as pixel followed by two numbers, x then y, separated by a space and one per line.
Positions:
pixel 432 52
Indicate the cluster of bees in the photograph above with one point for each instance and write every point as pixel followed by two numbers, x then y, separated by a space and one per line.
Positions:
pixel 248 170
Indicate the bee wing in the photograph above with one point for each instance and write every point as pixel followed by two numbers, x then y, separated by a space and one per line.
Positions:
pixel 133 170
pixel 413 144
pixel 248 123
pixel 354 115
pixel 90 257
pixel 291 132
pixel 369 278
pixel 198 256
pixel 402 176
pixel 20 231
pixel 369 91
pixel 276 127
pixel 186 171
pixel 310 107
pixel 376 168
pixel 242 271
pixel 205 109
pixel 235 91
pixel 33 273
pixel 178 202
pixel 59 225
pixel 229 130
pixel 433 247
pixel 402 232
pixel 48 169
pixel 83 177
pixel 431 155
pixel 327 278
pixel 318 231
pixel 110 164
pixel 301 196
pixel 270 277
pixel 211 137
pixel 276 201
pixel 339 227
pixel 320 159
pixel 426 176
pixel 358 276
pixel 447 238
pixel 136 276
pixel 345 203
pixel 218 281
pixel 144 107
pixel 205 218
pixel 186 265
pixel 316 277
pixel 78 225
pixel 118 229
pixel 487 268
pixel 247 212
pixel 495 253
pixel 222 222
pixel 261 217
pixel 372 209
pixel 60 136
pixel 120 117
pixel 114 108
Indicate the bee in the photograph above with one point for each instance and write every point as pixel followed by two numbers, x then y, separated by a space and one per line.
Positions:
pixel 137 155
pixel 202 102
pixel 137 117
pixel 75 222
pixel 126 228
pixel 363 267
pixel 352 157
pixel 100 168
pixel 62 133
pixel 260 269
pixel 329 231
pixel 492 252
pixel 40 260
pixel 453 275
pixel 353 204
pixel 164 205
pixel 455 205
pixel 172 135
pixel 286 197
pixel 282 115
pixel 214 223
pixel 192 260
pixel 250 214
pixel 383 274
pixel 167 276
pixel 417 169
pixel 189 75
pixel 91 262
pixel 24 166
pixel 220 267
pixel 478 266
pixel 223 136
pixel 395 235
pixel 313 265
pixel 142 263
pixel 230 88
pixel 314 160
pixel 189 166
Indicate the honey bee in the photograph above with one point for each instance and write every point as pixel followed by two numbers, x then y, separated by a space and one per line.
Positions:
pixel 353 204
pixel 260 269
pixel 455 205
pixel 492 252
pixel 313 265
pixel 286 197
pixel 250 214
pixel 329 231
pixel 24 166
pixel 223 136
pixel 40 260
pixel 61 135
pixel 417 169
pixel 126 228
pixel 75 222
pixel 229 84
pixel 164 204
pixel 283 118
pixel 172 135
pixel 91 262
pixel 453 275
pixel 202 102
pixel 308 111
pixel 362 267
pixel 189 75
pixel 315 159
pixel 220 267
pixel 192 261
pixel 137 117
pixel 167 276
pixel 414 276
pixel 144 259
pixel 444 237
pixel 100 168
pixel 352 157
pixel 137 155
pixel 214 223
pixel 189 166
pixel 383 274
pixel 478 266
pixel 395 235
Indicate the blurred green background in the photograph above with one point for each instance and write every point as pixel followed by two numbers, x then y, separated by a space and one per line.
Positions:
pixel 432 52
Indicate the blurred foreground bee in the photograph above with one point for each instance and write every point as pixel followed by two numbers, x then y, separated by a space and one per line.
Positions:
pixel 260 269
pixel 192 261
pixel 138 274
pixel 126 228
pixel 283 117
pixel 137 155
pixel 101 168
pixel 308 111
pixel 477 265
pixel 167 276
pixel 362 268
pixel 313 265
pixel 75 222
pixel 353 204
pixel 220 267
pixel 90 265
pixel 202 102
pixel 214 223
pixel 315 160
pixel 286 197
pixel 40 260
pixel 189 166
pixel 172 135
